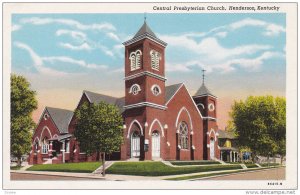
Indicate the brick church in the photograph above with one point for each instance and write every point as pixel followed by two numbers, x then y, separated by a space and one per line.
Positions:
pixel 160 122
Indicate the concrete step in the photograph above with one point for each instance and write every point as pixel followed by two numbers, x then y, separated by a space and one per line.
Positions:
pixel 107 165
pixel 47 161
pixel 244 166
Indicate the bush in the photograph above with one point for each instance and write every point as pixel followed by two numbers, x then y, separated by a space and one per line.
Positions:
pixel 160 169
pixel 248 165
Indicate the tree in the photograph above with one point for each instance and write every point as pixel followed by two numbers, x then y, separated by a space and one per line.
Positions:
pixel 99 129
pixel 23 103
pixel 260 124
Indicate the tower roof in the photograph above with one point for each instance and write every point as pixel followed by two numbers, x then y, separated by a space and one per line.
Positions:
pixel 145 29
pixel 203 91
pixel 145 32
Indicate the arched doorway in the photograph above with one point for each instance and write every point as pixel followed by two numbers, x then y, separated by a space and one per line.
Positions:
pixel 212 148
pixel 155 144
pixel 135 145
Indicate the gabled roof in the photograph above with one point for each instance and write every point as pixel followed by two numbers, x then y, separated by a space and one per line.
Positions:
pixel 145 29
pixel 225 134
pixel 96 98
pixel 61 118
pixel 171 90
pixel 203 91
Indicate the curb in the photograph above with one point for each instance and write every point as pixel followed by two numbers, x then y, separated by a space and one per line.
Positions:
pixel 241 172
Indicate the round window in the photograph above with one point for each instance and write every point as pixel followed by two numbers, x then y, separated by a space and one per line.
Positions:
pixel 135 90
pixel 211 107
pixel 155 90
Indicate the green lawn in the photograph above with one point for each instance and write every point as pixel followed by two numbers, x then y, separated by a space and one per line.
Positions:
pixel 201 162
pixel 15 167
pixel 160 169
pixel 251 165
pixel 84 167
pixel 270 164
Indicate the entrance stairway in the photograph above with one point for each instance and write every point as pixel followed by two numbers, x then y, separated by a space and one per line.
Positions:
pixel 47 161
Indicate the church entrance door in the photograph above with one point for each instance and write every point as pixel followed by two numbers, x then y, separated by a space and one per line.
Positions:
pixel 155 145
pixel 135 145
pixel 212 148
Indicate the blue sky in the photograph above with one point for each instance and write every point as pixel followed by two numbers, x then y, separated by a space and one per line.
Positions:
pixel 62 54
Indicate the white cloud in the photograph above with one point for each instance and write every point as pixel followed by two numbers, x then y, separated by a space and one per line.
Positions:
pixel 83 46
pixel 74 34
pixel 222 34
pixel 15 27
pixel 270 29
pixel 39 62
pixel 273 30
pixel 210 47
pixel 70 60
pixel 249 64
pixel 246 22
pixel 113 36
pixel 68 22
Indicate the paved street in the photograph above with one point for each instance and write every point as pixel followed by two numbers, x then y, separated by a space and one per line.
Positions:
pixel 270 174
pixel 26 176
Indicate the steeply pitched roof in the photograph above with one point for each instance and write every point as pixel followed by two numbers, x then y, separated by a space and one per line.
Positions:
pixel 145 32
pixel 203 91
pixel 145 29
pixel 61 118
pixel 171 90
pixel 225 134
pixel 96 98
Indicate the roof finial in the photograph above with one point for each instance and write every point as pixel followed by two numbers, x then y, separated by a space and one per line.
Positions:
pixel 145 16
pixel 203 75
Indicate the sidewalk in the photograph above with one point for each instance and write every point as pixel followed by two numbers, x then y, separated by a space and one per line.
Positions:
pixel 62 174
pixel 114 177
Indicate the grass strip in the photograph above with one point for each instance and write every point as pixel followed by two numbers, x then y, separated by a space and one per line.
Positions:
pixel 183 163
pixel 15 167
pixel 160 169
pixel 270 164
pixel 211 174
pixel 84 167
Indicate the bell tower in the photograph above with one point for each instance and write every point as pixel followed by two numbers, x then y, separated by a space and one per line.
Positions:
pixel 144 87
pixel 207 105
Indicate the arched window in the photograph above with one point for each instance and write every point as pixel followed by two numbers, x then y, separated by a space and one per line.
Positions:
pixel 135 89
pixel 138 59
pixel 183 135
pixel 155 90
pixel 36 146
pixel 155 57
pixel 132 61
pixel 135 60
pixel 45 146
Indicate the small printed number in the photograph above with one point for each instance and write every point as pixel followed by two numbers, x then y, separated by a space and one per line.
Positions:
pixel 274 183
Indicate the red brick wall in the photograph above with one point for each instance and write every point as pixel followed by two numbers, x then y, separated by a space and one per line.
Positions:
pixel 45 123
pixel 180 100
